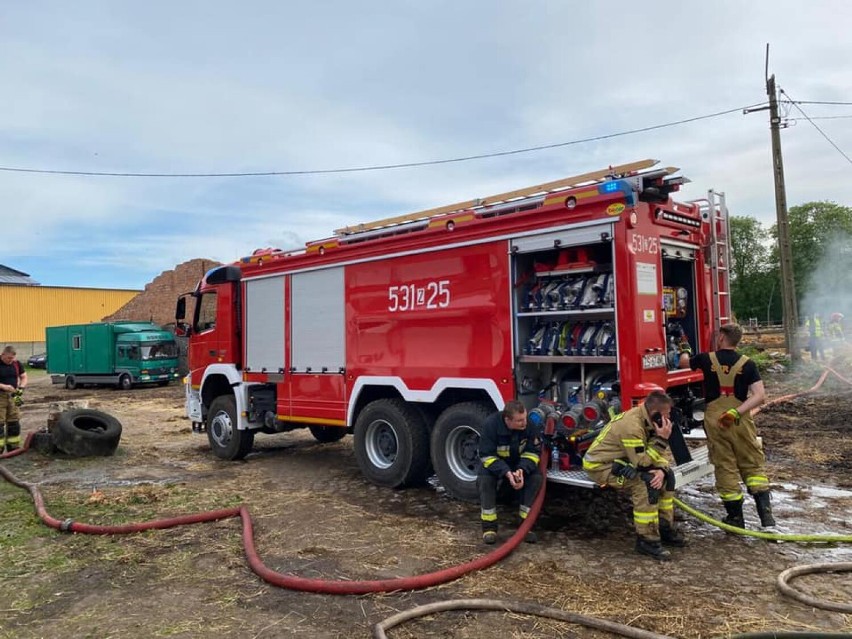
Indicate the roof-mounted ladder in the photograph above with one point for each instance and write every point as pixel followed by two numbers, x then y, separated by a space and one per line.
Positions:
pixel 583 179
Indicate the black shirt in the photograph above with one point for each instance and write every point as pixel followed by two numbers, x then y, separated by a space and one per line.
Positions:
pixel 9 373
pixel 727 357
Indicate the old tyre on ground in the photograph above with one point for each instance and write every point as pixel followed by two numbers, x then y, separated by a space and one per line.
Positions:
pixel 70 382
pixel 392 444
pixel 226 440
pixel 455 448
pixel 43 442
pixel 85 432
pixel 125 382
pixel 327 434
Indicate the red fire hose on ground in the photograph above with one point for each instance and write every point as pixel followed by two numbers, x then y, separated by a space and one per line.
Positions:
pixel 282 580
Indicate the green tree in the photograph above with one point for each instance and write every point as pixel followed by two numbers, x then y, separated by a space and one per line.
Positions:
pixel 752 272
pixel 821 246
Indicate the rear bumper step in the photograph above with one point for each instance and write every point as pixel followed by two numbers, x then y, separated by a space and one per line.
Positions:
pixel 687 473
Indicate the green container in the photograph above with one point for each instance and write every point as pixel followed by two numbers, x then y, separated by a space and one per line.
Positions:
pixel 120 353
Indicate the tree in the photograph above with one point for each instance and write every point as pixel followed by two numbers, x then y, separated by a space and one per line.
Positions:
pixel 821 244
pixel 753 285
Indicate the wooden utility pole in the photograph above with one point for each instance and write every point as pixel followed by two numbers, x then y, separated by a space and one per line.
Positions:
pixel 785 252
pixel 788 284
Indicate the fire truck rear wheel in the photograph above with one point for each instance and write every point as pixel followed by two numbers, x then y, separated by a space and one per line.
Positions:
pixel 327 434
pixel 455 448
pixel 226 440
pixel 392 444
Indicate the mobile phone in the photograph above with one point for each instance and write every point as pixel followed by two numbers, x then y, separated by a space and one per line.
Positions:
pixel 657 418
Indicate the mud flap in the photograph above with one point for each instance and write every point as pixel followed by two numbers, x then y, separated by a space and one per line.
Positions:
pixel 680 450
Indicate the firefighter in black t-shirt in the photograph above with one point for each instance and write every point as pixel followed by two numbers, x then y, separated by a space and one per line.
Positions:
pixel 732 387
pixel 13 380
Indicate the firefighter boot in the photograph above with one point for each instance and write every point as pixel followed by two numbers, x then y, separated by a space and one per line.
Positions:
pixel 671 536
pixel 13 436
pixel 764 508
pixel 735 513
pixel 652 548
pixel 489 532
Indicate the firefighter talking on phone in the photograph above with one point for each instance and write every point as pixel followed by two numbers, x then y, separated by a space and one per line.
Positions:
pixel 629 453
pixel 732 387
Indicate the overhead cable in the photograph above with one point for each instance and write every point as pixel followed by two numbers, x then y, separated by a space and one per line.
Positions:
pixel 379 167
pixel 816 126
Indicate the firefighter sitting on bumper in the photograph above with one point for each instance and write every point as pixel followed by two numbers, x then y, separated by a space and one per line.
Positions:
pixel 629 453
pixel 510 449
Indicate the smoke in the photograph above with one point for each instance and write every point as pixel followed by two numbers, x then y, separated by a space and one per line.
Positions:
pixel 829 288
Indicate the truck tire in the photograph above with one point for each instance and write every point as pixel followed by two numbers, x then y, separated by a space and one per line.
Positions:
pixel 226 440
pixel 85 432
pixel 392 444
pixel 70 382
pixel 455 449
pixel 125 382
pixel 327 434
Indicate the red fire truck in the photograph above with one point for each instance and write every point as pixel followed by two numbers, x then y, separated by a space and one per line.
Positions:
pixel 573 296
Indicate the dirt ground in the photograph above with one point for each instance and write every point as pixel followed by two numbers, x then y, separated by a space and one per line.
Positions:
pixel 315 516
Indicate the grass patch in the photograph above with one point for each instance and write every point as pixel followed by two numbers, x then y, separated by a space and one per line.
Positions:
pixel 762 358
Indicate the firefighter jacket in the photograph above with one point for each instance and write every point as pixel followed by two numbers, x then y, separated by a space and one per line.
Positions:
pixel 629 436
pixel 814 325
pixel 502 449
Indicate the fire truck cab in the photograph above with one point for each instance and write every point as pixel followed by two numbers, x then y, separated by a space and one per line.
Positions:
pixel 574 296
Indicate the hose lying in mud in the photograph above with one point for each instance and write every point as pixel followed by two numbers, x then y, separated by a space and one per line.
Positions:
pixel 379 629
pixel 796 571
pixel 828 538
pixel 516 607
pixel 290 582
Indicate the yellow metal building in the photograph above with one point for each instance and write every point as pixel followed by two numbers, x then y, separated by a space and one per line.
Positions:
pixel 25 311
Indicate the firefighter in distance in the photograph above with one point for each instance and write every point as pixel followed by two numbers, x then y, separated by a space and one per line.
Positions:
pixel 510 450
pixel 732 387
pixel 630 454
pixel 13 380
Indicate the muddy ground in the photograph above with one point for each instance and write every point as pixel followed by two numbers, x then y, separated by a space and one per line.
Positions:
pixel 315 516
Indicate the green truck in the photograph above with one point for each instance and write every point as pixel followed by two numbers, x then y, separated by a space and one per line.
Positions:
pixel 117 353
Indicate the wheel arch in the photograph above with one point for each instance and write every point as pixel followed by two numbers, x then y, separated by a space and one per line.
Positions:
pixel 222 380
pixel 444 392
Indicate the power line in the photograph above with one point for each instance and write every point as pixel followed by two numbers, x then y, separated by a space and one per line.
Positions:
pixel 382 167
pixel 816 126
pixel 817 101
pixel 824 117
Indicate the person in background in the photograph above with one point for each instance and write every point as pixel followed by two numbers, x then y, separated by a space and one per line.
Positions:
pixel 509 449
pixel 815 337
pixel 835 327
pixel 13 381
pixel 732 387
pixel 630 454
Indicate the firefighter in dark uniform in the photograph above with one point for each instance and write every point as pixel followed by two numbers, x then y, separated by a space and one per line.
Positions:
pixel 13 380
pixel 630 453
pixel 732 387
pixel 510 450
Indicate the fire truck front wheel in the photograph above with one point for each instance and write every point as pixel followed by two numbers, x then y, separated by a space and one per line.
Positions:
pixel 455 449
pixel 226 440
pixel 392 443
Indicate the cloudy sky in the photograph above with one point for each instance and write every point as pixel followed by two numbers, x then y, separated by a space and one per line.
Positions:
pixel 260 86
